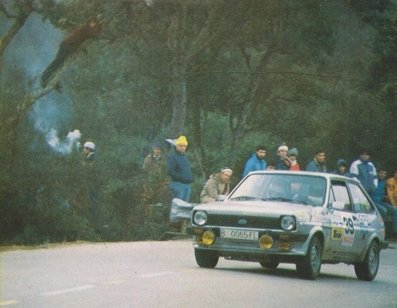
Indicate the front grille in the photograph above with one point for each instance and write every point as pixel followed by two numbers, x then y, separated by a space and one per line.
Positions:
pixel 244 221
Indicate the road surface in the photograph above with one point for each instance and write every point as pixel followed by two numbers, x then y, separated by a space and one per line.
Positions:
pixel 164 274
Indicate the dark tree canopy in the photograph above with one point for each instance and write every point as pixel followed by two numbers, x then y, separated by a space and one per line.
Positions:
pixel 228 74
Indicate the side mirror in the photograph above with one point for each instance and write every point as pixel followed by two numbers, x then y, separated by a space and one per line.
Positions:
pixel 222 197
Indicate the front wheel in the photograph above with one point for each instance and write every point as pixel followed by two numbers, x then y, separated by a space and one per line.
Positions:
pixel 368 269
pixel 309 267
pixel 206 259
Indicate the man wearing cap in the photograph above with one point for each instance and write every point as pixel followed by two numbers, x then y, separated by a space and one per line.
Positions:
pixel 91 179
pixel 88 153
pixel 178 168
pixel 217 186
pixel 365 171
pixel 256 161
pixel 282 160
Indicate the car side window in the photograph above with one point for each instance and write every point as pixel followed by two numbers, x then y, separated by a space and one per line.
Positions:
pixel 360 201
pixel 341 196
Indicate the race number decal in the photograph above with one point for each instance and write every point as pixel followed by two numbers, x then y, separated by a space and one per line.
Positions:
pixel 348 234
pixel 349 226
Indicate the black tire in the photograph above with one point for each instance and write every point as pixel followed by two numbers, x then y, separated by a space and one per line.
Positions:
pixel 206 259
pixel 309 267
pixel 368 269
pixel 272 263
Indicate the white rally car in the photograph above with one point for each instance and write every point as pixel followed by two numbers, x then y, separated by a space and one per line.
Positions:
pixel 305 218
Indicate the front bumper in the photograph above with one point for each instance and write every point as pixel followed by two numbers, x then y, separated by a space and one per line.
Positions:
pixel 284 244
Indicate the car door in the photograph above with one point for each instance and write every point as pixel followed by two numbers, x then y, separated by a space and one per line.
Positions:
pixel 365 216
pixel 343 223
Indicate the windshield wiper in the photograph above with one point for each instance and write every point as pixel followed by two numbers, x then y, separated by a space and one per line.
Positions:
pixel 244 198
pixel 276 199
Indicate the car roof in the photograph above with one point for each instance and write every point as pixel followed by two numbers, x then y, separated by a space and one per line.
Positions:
pixel 307 173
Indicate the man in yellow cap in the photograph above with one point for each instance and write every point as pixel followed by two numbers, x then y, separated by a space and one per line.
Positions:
pixel 178 167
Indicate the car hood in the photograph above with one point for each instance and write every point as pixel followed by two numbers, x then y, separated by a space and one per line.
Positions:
pixel 257 208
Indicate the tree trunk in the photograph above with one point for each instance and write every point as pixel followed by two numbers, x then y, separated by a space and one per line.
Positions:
pixel 179 96
pixel 19 21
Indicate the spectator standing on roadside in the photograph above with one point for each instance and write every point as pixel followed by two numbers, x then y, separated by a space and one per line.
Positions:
pixel 379 194
pixel 386 210
pixel 90 178
pixel 271 165
pixel 178 167
pixel 88 154
pixel 282 161
pixel 318 163
pixel 293 156
pixel 155 160
pixel 217 186
pixel 256 161
pixel 155 182
pixel 391 187
pixel 341 168
pixel 365 171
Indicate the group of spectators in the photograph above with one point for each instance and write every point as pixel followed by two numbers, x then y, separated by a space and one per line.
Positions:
pixel 179 170
pixel 373 180
pixel 382 190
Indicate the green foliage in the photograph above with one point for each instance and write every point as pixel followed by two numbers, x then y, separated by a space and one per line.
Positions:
pixel 313 74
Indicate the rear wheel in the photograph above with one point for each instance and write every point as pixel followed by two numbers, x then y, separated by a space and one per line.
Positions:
pixel 205 258
pixel 309 267
pixel 368 269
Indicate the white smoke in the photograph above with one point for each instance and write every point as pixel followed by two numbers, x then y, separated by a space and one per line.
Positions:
pixel 32 49
pixel 66 146
pixel 50 115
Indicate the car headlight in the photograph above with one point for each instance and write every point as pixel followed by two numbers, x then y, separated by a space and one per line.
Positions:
pixel 200 218
pixel 288 223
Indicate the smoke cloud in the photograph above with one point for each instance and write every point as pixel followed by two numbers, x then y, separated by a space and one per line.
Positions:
pixel 72 141
pixel 30 51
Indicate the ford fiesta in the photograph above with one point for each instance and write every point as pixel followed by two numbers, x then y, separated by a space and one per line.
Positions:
pixel 304 218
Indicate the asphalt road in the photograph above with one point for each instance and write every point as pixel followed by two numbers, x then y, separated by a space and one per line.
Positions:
pixel 164 274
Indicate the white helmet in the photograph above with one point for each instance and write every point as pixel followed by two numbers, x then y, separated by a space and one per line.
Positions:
pixel 89 145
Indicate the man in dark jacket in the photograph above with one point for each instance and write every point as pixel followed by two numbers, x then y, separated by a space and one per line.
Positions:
pixel 282 160
pixel 318 163
pixel 341 168
pixel 178 167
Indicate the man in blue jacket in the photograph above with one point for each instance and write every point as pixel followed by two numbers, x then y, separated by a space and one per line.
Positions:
pixel 318 164
pixel 256 161
pixel 178 167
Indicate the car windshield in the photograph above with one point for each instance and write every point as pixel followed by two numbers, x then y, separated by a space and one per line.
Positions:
pixel 293 188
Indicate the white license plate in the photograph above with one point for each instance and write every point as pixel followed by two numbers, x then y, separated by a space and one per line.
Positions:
pixel 239 234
